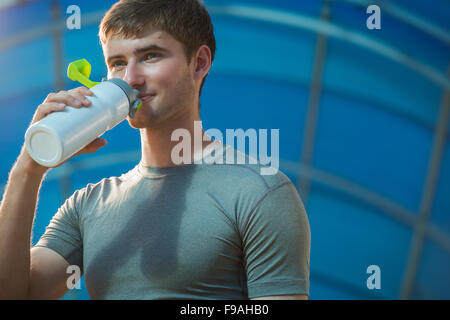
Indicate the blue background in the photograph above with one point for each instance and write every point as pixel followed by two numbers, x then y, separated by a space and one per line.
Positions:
pixel 375 133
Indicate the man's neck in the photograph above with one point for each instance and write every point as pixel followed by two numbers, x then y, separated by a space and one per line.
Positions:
pixel 157 145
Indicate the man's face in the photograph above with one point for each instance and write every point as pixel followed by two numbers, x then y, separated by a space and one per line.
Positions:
pixel 154 64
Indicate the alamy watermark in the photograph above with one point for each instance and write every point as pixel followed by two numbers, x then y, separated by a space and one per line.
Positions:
pixel 374 280
pixel 374 20
pixel 74 20
pixel 73 281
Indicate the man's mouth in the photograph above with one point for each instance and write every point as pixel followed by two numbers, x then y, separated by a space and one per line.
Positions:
pixel 146 97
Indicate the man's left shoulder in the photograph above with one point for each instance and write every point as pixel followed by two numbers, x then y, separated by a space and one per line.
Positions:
pixel 256 177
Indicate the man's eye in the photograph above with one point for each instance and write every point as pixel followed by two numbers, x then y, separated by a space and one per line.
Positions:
pixel 152 56
pixel 117 64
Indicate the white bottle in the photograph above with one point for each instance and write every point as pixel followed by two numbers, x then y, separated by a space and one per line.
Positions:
pixel 61 134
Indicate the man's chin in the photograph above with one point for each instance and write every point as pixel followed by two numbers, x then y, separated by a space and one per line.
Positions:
pixel 141 121
pixel 148 117
pixel 138 124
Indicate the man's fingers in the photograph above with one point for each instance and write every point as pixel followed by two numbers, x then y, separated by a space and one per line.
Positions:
pixel 47 108
pixel 93 146
pixel 83 90
pixel 50 107
pixel 80 97
pixel 69 99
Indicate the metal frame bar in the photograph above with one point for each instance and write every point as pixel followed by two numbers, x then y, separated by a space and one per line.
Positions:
pixel 428 195
pixel 312 112
pixel 57 46
pixel 57 38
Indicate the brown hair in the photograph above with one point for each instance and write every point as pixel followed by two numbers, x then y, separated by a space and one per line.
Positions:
pixel 187 21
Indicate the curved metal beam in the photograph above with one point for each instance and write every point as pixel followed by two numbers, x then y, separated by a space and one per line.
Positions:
pixel 299 21
pixel 313 107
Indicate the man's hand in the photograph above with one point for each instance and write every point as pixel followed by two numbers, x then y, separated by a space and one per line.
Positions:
pixel 58 102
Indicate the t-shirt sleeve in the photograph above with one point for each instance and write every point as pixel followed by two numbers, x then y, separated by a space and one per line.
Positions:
pixel 276 244
pixel 63 232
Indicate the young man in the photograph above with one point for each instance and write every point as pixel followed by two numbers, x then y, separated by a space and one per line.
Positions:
pixel 162 230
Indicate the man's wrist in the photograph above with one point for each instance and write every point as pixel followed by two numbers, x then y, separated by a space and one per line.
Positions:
pixel 26 165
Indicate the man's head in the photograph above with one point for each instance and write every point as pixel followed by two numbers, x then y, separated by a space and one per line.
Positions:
pixel 163 48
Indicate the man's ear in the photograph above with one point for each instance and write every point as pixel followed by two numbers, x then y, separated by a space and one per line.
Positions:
pixel 202 62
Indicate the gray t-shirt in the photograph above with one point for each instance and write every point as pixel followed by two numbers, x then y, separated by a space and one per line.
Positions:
pixel 195 231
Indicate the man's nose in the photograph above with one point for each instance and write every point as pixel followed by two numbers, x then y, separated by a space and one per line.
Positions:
pixel 133 76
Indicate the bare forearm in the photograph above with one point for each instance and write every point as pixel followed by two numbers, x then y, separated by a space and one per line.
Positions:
pixel 17 212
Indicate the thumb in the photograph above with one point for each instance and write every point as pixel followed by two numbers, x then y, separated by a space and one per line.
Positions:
pixel 93 146
pixel 97 143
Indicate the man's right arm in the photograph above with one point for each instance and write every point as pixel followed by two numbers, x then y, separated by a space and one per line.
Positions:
pixel 24 274
pixel 37 273
pixel 16 220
